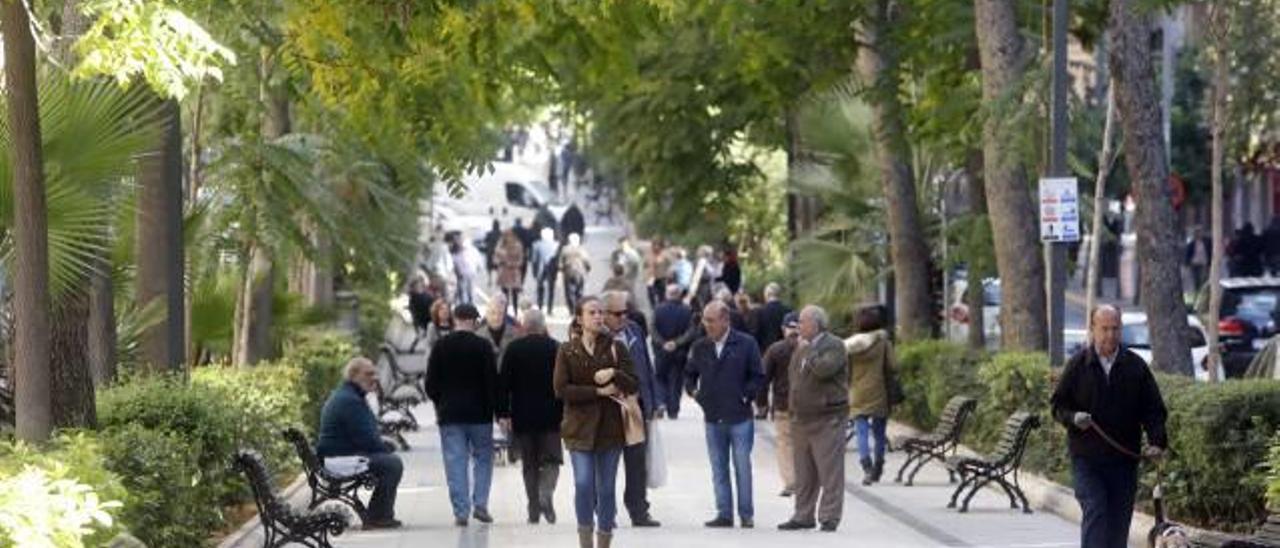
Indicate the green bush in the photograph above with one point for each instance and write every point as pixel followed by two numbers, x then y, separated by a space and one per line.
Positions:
pixel 41 507
pixel 931 372
pixel 74 456
pixel 1273 474
pixel 267 398
pixel 321 355
pixel 171 501
pixel 1021 381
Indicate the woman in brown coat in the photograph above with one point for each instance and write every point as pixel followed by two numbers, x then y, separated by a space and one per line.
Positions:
pixel 870 359
pixel 591 369
pixel 509 258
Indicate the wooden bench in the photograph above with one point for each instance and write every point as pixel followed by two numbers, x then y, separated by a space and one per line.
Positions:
pixel 327 486
pixel 941 442
pixel 976 472
pixel 283 524
pixel 1267 535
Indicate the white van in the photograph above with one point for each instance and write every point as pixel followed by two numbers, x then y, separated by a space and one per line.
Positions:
pixel 505 192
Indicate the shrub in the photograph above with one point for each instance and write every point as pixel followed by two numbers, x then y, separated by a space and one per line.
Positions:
pixel 267 398
pixel 70 468
pixel 171 501
pixel 1273 474
pixel 321 355
pixel 931 372
pixel 1021 381
pixel 41 507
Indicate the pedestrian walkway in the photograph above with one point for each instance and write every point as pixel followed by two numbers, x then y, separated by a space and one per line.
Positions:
pixel 884 515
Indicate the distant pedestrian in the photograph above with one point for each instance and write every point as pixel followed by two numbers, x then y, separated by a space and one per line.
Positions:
pixel 627 256
pixel 497 328
pixel 871 360
pixel 1246 252
pixel 673 332
pixel 819 373
pixel 420 301
pixel 572 222
pixel 491 240
pixel 682 269
pixel 1106 398
pixel 777 361
pixel 618 281
pixel 1197 255
pixel 1271 245
pixel 731 273
pixel 439 263
pixel 441 322
pixel 462 382
pixel 509 258
pixel 724 375
pixel 591 370
pixel 466 263
pixel 526 236
pixel 546 259
pixel 656 268
pixel 534 412
pixel 769 316
pixel 635 496
pixel 575 263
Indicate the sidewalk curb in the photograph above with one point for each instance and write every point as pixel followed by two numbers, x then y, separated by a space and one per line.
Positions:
pixel 250 526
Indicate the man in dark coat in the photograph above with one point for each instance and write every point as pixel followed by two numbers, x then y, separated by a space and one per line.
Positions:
pixel 725 376
pixel 348 428
pixel 777 359
pixel 635 497
pixel 1108 392
pixel 462 381
pixel 534 412
pixel 672 333
pixel 769 316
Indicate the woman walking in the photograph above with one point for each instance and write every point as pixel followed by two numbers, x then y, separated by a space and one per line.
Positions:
pixel 871 360
pixel 509 258
pixel 591 371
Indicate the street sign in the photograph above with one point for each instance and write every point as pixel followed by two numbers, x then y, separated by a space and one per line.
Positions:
pixel 1059 210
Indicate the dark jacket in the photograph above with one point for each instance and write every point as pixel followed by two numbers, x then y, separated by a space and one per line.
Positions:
pixel 420 308
pixel 671 321
pixel 819 373
pixel 769 323
pixel 347 425
pixel 638 347
pixel 525 385
pixel 591 421
pixel 725 386
pixel 1122 406
pixel 462 379
pixel 777 360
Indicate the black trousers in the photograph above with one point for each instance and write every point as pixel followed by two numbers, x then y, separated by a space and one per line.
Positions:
pixel 546 291
pixel 541 455
pixel 671 372
pixel 635 496
pixel 388 468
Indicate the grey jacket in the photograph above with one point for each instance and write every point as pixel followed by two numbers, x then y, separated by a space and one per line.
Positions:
pixel 819 373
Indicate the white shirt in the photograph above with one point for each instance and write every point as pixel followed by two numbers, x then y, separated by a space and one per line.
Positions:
pixel 720 343
pixel 1107 361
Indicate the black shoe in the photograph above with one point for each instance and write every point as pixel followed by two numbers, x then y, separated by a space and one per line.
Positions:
pixel 747 523
pixel 534 518
pixel 388 523
pixel 550 513
pixel 786 493
pixel 720 523
pixel 460 522
pixel 482 515
pixel 828 527
pixel 793 525
pixel 645 521
pixel 867 472
pixel 877 468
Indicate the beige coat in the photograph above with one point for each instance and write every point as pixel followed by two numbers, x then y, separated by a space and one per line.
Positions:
pixel 869 354
pixel 510 261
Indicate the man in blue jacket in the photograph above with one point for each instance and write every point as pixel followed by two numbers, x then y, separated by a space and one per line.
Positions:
pixel 724 375
pixel 673 330
pixel 629 333
pixel 348 428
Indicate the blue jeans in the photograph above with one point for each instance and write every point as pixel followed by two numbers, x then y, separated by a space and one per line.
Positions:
pixel 723 441
pixel 465 444
pixel 595 478
pixel 863 423
pixel 1105 488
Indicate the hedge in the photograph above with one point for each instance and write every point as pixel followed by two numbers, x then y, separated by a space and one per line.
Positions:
pixel 1220 434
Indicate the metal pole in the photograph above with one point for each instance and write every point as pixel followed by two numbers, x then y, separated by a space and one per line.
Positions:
pixel 1055 252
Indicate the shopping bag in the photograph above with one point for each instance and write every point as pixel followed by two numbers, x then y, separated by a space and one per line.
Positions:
pixel 656 459
pixel 632 419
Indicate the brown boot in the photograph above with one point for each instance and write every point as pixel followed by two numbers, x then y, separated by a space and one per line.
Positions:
pixel 584 537
pixel 603 539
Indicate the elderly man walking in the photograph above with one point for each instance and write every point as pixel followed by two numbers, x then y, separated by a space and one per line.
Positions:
pixel 673 331
pixel 348 428
pixel 534 412
pixel 627 332
pixel 725 376
pixel 462 381
pixel 1106 398
pixel 819 373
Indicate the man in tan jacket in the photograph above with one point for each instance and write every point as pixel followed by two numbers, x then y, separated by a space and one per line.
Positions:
pixel 819 374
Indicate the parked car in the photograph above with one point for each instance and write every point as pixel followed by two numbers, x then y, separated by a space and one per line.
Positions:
pixel 1246 319
pixel 1136 336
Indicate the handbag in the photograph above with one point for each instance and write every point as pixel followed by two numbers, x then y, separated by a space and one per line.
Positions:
pixel 632 416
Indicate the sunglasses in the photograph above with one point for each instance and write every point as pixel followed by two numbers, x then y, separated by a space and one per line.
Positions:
pixel 616 313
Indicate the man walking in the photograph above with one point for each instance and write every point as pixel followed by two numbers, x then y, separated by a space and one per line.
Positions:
pixel 1106 398
pixel 672 332
pixel 724 376
pixel 635 496
pixel 768 317
pixel 819 374
pixel 526 390
pixel 462 382
pixel 574 265
pixel 348 428
pixel 545 265
pixel 777 360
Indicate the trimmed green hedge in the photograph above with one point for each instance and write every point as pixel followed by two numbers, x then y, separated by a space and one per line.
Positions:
pixel 1219 434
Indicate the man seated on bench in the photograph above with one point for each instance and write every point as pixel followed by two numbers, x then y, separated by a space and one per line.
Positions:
pixel 348 428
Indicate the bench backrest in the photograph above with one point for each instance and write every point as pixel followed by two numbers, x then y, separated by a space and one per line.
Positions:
pixel 310 462
pixel 954 414
pixel 250 462
pixel 1013 438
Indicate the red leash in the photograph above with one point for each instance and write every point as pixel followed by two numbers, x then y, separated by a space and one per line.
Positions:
pixel 1114 444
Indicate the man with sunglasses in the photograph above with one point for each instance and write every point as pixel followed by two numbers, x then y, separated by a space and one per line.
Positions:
pixel 634 497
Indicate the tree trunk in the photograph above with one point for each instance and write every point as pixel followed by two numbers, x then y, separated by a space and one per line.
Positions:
pixel 1099 207
pixel 311 279
pixel 1221 81
pixel 102 324
pixel 253 326
pixel 974 298
pixel 1138 101
pixel 1012 211
pixel 32 380
pixel 73 400
pixel 878 65
pixel 159 244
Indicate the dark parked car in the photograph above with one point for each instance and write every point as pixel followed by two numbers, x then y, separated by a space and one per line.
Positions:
pixel 1248 317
